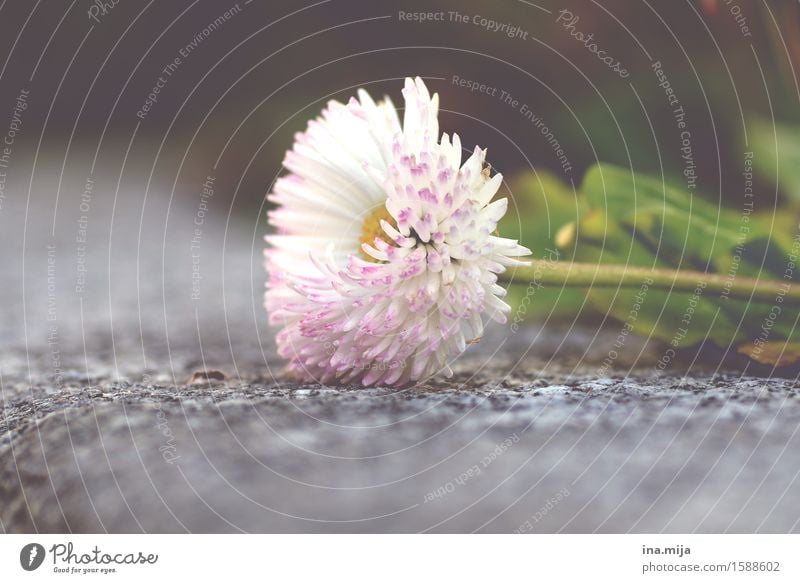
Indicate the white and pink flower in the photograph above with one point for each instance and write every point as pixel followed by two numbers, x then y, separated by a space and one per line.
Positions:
pixel 383 264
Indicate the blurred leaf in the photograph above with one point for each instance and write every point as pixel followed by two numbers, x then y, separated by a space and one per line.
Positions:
pixel 629 218
pixel 540 204
pixel 781 353
pixel 776 149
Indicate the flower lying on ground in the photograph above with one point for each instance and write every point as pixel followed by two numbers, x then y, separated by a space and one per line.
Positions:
pixel 384 262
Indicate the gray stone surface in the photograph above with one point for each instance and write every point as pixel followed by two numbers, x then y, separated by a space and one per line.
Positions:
pixel 100 431
pixel 253 453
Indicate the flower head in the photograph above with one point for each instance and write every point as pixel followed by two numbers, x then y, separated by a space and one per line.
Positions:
pixel 384 263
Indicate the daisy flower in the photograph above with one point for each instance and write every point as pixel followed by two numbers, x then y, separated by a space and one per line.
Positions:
pixel 383 265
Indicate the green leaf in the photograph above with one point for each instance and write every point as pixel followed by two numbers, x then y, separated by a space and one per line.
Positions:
pixel 629 218
pixel 540 203
pixel 776 149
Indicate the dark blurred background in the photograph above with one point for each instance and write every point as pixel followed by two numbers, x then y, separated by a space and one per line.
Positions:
pixel 255 80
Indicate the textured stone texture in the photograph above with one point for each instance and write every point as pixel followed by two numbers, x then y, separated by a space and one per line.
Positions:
pixel 634 452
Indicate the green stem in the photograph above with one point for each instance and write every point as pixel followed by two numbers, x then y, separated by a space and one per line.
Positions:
pixel 590 275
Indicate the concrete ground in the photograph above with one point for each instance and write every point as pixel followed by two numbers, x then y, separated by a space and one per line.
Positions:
pixel 543 448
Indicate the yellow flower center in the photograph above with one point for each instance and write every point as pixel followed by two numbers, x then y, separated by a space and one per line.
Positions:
pixel 371 229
